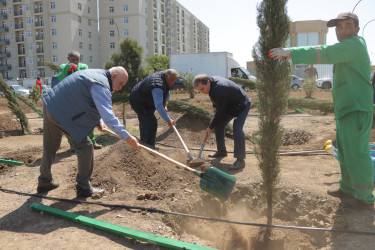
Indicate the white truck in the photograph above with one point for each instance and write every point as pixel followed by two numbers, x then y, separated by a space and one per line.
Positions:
pixel 212 64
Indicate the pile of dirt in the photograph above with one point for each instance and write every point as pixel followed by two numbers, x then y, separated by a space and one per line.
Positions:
pixel 296 137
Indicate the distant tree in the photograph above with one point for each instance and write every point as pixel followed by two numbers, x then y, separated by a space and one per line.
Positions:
pixel 51 65
pixel 156 62
pixel 273 90
pixel 14 105
pixel 188 81
pixel 130 58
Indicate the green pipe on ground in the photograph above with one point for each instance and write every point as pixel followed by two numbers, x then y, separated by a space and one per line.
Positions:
pixel 18 163
pixel 119 230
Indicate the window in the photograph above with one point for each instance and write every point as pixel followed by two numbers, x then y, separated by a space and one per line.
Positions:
pixel 79 6
pixel 126 20
pixel 53 5
pixel 30 20
pixel 27 7
pixel 307 39
pixel 54 32
pixel 111 9
pixel 90 46
pixel 88 10
pixel 53 19
pixel 111 33
pixel 89 34
pixel 10 11
pixel 54 45
pixel 89 22
pixel 31 46
pixel 126 32
pixel 80 32
pixel 54 58
pixel 80 45
pixel 29 60
pixel 125 8
pixel 79 19
pixel 111 21
pixel 29 33
pixel 112 45
pixel 90 59
pixel 81 58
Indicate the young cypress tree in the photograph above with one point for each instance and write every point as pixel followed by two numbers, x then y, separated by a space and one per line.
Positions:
pixel 273 89
pixel 13 105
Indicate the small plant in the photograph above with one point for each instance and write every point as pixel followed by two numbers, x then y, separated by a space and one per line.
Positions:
pixel 35 95
pixel 309 87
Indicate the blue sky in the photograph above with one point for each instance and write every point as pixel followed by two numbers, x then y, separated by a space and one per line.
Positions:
pixel 233 25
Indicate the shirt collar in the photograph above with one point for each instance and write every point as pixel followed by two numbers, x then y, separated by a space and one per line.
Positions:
pixel 108 74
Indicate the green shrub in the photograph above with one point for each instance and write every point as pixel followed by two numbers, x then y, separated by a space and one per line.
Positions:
pixel 120 97
pixel 35 94
pixel 245 83
pixel 309 87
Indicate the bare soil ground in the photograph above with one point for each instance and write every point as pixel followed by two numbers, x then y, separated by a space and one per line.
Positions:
pixel 136 178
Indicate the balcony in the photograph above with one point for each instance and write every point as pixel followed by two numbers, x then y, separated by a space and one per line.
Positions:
pixel 4 29
pixel 22 65
pixel 3 3
pixel 21 52
pixel 4 41
pixel 18 26
pixel 38 10
pixel 40 64
pixel 3 15
pixel 18 13
pixel 5 67
pixel 20 39
pixel 39 24
pixel 4 54
pixel 17 1
pixel 40 50
pixel 39 37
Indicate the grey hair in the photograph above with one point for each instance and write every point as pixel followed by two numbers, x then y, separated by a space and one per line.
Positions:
pixel 171 72
pixel 74 54
pixel 201 79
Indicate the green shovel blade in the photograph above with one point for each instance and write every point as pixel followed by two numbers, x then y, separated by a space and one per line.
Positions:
pixel 217 182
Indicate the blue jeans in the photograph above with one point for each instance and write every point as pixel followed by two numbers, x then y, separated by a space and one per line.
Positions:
pixel 239 135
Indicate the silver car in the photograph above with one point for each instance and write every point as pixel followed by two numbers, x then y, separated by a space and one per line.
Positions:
pixel 296 82
pixel 20 90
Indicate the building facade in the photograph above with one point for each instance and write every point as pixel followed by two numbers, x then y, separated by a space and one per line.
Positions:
pixel 161 27
pixel 34 31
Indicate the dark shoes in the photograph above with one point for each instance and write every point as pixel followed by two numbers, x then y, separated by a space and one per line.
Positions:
pixel 89 192
pixel 218 154
pixel 49 187
pixel 238 164
pixel 97 146
pixel 357 204
pixel 338 193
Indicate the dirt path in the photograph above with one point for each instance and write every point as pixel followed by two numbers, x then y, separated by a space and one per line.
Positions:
pixel 139 179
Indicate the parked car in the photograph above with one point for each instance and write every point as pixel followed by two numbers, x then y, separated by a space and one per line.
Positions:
pixel 46 89
pixel 20 90
pixel 179 84
pixel 324 83
pixel 296 82
pixel 1 94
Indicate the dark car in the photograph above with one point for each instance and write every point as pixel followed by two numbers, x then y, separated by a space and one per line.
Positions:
pixel 179 84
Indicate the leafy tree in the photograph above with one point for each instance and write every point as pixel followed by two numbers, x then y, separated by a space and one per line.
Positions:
pixel 309 87
pixel 130 58
pixel 188 81
pixel 14 105
pixel 35 95
pixel 158 62
pixel 273 90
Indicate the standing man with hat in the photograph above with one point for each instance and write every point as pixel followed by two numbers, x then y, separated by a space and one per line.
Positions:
pixel 352 96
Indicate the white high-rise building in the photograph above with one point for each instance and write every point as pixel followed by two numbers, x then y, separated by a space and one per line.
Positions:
pixel 34 31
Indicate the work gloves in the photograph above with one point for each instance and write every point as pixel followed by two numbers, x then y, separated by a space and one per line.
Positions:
pixel 72 67
pixel 277 53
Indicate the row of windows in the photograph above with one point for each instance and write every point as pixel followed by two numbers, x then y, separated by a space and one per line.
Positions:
pixel 125 8
pixel 112 21
pixel 81 59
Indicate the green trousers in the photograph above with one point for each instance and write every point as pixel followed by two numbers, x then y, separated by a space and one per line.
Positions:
pixel 92 137
pixel 352 139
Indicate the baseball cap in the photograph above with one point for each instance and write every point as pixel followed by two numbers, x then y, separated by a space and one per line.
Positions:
pixel 344 16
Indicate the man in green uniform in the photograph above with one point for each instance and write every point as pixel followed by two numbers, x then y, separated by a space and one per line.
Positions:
pixel 352 96
pixel 69 68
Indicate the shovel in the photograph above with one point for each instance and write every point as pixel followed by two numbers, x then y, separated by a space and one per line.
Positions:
pixel 213 180
pixel 183 144
pixel 201 150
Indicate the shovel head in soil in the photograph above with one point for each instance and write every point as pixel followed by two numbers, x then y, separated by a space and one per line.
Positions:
pixel 217 182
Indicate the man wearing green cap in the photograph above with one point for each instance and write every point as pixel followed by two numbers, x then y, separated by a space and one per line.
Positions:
pixel 352 96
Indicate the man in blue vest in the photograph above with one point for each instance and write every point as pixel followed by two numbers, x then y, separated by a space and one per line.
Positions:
pixel 73 108
pixel 151 94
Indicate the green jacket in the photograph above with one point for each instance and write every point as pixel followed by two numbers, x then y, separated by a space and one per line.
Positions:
pixel 63 70
pixel 352 89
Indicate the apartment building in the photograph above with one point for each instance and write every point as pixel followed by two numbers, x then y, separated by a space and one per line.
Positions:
pixel 32 31
pixel 161 27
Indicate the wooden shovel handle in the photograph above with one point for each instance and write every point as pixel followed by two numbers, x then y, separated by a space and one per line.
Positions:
pixel 111 133
pixel 154 152
pixel 182 141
